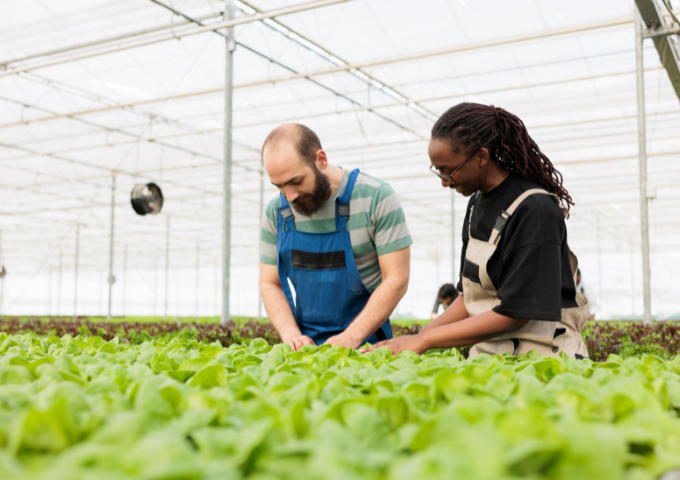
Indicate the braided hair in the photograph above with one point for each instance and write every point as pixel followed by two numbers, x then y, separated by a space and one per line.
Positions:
pixel 472 126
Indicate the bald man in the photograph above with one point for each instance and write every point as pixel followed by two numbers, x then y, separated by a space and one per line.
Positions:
pixel 334 247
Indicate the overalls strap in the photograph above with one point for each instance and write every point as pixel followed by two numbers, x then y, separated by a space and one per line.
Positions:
pixel 505 215
pixel 285 218
pixel 286 213
pixel 342 203
pixel 472 209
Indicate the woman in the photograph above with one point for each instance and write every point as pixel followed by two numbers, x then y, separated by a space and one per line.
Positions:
pixel 517 274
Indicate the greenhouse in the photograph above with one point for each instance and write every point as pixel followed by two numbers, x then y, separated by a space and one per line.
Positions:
pixel 149 239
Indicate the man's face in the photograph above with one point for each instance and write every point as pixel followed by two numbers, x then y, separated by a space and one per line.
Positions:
pixel 446 162
pixel 304 185
pixel 578 280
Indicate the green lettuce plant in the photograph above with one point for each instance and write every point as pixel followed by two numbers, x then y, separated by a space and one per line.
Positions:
pixel 81 407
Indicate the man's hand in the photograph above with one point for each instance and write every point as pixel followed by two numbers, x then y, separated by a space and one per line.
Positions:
pixel 278 309
pixel 345 339
pixel 414 343
pixel 433 316
pixel 298 341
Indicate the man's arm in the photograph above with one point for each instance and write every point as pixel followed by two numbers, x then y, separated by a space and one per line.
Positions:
pixel 278 309
pixel 395 269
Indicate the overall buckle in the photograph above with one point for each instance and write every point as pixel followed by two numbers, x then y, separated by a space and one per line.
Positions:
pixel 343 210
pixel 286 213
pixel 501 221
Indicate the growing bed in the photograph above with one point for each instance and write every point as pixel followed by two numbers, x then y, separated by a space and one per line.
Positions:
pixel 172 407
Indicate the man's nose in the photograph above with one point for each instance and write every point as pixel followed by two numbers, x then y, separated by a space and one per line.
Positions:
pixel 291 195
pixel 445 184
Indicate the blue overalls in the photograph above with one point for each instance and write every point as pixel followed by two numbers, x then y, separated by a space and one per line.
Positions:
pixel 321 267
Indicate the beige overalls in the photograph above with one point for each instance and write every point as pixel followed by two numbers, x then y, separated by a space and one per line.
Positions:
pixel 546 337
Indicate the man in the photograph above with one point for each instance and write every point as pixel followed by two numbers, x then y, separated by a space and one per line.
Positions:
pixel 445 297
pixel 584 288
pixel 338 237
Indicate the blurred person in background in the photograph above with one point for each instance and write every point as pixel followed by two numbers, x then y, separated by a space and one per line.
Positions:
pixel 517 274
pixel 585 290
pixel 445 297
pixel 339 237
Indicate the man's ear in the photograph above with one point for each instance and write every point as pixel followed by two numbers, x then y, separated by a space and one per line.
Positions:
pixel 321 160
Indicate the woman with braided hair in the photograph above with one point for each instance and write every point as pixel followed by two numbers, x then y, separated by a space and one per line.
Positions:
pixel 517 277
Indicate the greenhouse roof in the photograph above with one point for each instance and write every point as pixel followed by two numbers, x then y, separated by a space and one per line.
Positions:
pixel 94 89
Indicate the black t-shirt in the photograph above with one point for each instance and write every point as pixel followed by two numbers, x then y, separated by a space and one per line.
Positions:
pixel 530 268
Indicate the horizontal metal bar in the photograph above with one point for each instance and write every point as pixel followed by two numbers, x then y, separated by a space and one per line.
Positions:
pixel 329 112
pixel 462 48
pixel 661 31
pixel 194 31
pixel 94 43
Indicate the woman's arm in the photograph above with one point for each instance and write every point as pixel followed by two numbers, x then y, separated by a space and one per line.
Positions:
pixel 471 330
pixel 465 332
pixel 455 313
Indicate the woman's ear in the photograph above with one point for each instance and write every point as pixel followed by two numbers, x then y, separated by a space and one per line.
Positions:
pixel 483 156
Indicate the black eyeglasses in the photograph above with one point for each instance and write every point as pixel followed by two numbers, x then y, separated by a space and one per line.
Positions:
pixel 449 177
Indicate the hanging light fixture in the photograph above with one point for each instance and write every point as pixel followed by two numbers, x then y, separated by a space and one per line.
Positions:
pixel 146 198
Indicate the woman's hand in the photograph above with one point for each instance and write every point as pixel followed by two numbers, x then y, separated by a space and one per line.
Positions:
pixel 414 343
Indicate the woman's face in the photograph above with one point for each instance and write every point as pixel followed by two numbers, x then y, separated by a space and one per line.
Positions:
pixel 446 161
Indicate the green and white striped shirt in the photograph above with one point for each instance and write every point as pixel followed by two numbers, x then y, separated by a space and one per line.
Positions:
pixel 376 225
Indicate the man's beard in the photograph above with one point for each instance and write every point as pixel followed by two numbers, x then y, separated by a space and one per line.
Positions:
pixel 307 203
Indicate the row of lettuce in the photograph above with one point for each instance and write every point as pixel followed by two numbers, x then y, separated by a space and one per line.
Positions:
pixel 626 339
pixel 82 407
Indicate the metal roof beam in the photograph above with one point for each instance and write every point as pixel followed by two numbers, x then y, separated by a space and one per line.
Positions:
pixel 660 31
pixel 420 110
pixel 358 66
pixel 174 35
pixel 327 55
pixel 359 108
pixel 80 46
pixel 122 132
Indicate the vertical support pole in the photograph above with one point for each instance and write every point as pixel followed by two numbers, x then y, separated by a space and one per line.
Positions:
pixel 198 276
pixel 642 145
pixel 259 296
pixel 156 291
pixel 216 302
pixel 453 237
pixel 111 279
pixel 49 292
pixel 228 95
pixel 124 312
pixel 2 278
pixel 600 291
pixel 61 264
pixel 167 266
pixel 632 280
pixel 100 275
pixel 75 282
